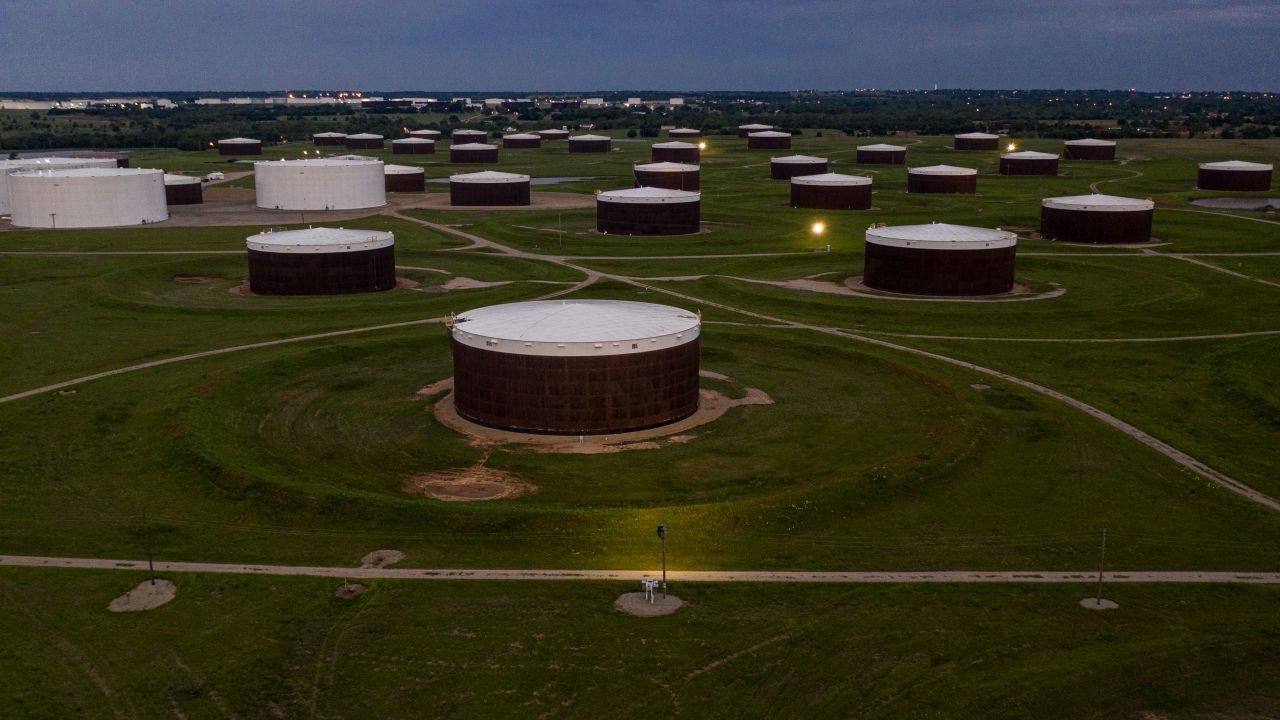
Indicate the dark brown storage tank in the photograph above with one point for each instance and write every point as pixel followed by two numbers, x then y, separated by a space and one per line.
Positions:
pixel 882 154
pixel 552 134
pixel 426 134
pixel 684 132
pixel 364 141
pixel 489 188
pixel 676 152
pixel 239 146
pixel 831 191
pixel 520 141
pixel 404 178
pixel 939 259
pixel 942 179
pixel 575 367
pixel 321 261
pixel 183 190
pixel 746 130
pixel 769 140
pixel 473 153
pixel 669 175
pixel 590 144
pixel 413 146
pixel 1235 176
pixel 1028 162
pixel 785 168
pixel 648 211
pixel 329 138
pixel 1089 149
pixel 977 141
pixel 468 136
pixel 1097 219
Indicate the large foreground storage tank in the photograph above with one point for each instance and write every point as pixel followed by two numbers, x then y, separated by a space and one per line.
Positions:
pixel 87 197
pixel 321 261
pixel 939 259
pixel 670 175
pixel 340 183
pixel 489 188
pixel 575 367
pixel 9 167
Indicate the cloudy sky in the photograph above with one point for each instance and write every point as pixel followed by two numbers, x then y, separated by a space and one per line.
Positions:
pixel 74 45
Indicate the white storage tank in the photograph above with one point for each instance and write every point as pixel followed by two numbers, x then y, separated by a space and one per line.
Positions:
pixel 9 167
pixel 338 183
pixel 87 197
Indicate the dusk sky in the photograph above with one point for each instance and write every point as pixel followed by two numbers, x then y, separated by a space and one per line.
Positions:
pixel 94 45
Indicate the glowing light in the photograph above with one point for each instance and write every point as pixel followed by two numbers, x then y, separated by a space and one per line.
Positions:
pixel 702 145
pixel 818 228
pixel 1012 147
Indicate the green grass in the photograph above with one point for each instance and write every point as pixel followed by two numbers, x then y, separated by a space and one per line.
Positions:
pixel 285 647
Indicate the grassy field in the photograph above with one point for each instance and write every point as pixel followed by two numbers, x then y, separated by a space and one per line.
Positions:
pixel 869 458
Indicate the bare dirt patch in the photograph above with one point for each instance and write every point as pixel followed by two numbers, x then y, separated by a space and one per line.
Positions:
pixel 635 603
pixel 347 591
pixel 197 279
pixel 465 283
pixel 404 283
pixel 381 558
pixel 470 484
pixel 435 388
pixel 242 289
pixel 711 406
pixel 145 596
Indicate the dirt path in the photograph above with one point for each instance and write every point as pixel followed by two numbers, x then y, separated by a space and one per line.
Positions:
pixel 1174 338
pixel 905 576
pixel 1210 266
pixel 1093 187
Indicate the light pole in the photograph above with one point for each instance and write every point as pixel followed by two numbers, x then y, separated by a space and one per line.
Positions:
pixel 1102 563
pixel 662 534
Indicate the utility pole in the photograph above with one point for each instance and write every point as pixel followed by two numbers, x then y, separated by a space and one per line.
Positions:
pixel 146 533
pixel 1102 562
pixel 662 534
pixel 53 220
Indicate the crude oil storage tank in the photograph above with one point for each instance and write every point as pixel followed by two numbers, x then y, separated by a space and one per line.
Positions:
pixel 769 140
pixel 575 367
pixel 239 146
pixel 942 179
pixel 551 134
pixel 670 175
pixel 783 168
pixel 746 130
pixel 1089 149
pixel 473 153
pixel 1028 162
pixel 1100 219
pixel 329 138
pixel 9 167
pixel 590 143
pixel 977 141
pixel 882 154
pixel 489 188
pixel 1234 176
pixel 831 191
pixel 468 136
pixel 684 132
pixel 404 178
pixel 676 152
pixel 338 183
pixel 425 134
pixel 939 259
pixel 648 211
pixel 183 190
pixel 521 141
pixel 413 146
pixel 87 197
pixel 321 261
pixel 365 141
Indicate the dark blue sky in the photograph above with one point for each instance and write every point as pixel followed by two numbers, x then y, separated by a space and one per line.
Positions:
pixel 72 45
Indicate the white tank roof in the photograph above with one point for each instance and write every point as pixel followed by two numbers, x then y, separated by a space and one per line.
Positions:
pixel 1092 142
pixel 336 161
pixel 53 163
pixel 487 177
pixel 239 140
pixel 830 179
pixel 576 327
pixel 1030 155
pixel 978 136
pixel 319 240
pixel 174 179
pixel 553 131
pixel 90 172
pixel 941 236
pixel 667 167
pixel 684 130
pixel 942 170
pixel 329 135
pixel 522 136
pixel 882 147
pixel 364 136
pixel 466 131
pixel 402 170
pixel 1236 165
pixel 1098 203
pixel 798 160
pixel 676 145
pixel 475 146
pixel 769 134
pixel 648 195
pixel 590 137
pixel 424 131
pixel 412 141
pixel 755 126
